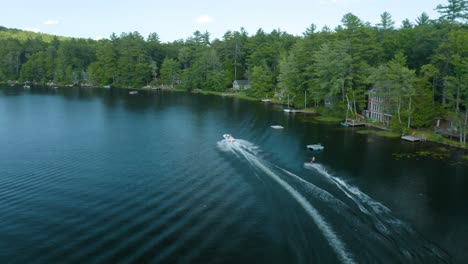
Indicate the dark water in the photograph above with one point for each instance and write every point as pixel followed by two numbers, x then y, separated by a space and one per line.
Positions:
pixel 100 176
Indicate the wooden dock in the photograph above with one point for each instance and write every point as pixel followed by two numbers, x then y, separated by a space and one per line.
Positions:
pixel 413 138
pixel 353 122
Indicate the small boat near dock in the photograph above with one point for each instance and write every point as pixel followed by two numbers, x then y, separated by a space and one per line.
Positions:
pixel 133 92
pixel 315 147
pixel 277 127
pixel 287 110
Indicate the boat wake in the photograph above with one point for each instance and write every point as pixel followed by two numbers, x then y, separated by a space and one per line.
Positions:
pixel 411 246
pixel 356 227
pixel 244 149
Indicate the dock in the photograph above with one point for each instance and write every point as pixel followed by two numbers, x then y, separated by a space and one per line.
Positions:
pixel 353 123
pixel 413 138
pixel 287 110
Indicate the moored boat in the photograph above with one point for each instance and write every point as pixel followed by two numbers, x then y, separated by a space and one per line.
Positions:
pixel 315 147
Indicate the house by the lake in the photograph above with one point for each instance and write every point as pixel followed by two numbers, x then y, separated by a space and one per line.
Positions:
pixel 328 102
pixel 445 127
pixel 240 84
pixel 378 108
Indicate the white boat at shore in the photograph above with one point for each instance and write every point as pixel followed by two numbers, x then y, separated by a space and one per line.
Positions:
pixel 287 110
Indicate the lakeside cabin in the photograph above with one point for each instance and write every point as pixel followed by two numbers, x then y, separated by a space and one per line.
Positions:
pixel 445 127
pixel 240 85
pixel 377 108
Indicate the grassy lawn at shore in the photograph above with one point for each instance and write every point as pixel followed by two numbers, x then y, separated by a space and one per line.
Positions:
pixel 380 133
pixel 328 119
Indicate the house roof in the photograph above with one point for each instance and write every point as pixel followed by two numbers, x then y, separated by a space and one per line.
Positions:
pixel 242 82
pixel 374 90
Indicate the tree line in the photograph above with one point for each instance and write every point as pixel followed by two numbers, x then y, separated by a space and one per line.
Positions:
pixel 420 67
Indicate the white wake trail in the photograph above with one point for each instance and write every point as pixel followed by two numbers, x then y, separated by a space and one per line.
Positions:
pixel 336 244
pixel 359 198
pixel 409 243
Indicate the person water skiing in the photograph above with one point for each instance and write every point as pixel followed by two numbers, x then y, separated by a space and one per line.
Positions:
pixel 312 159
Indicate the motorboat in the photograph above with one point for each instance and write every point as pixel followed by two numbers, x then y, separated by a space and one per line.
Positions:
pixel 315 147
pixel 277 127
pixel 229 138
pixel 288 110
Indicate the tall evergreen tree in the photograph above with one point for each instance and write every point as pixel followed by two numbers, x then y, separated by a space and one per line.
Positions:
pixel 455 10
pixel 170 72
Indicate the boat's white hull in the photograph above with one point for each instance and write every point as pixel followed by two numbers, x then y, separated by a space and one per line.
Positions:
pixel 315 147
pixel 229 138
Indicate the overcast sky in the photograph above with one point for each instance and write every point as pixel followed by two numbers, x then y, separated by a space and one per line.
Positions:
pixel 178 19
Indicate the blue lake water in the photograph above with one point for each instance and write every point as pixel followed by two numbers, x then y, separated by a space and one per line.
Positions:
pixel 101 176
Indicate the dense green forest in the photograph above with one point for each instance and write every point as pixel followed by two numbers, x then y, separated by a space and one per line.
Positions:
pixel 420 67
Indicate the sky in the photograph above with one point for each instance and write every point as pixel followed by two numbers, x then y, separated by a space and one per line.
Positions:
pixel 179 19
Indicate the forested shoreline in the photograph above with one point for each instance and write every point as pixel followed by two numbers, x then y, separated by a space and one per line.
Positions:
pixel 420 67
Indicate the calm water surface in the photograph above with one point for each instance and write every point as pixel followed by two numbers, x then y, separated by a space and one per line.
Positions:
pixel 100 176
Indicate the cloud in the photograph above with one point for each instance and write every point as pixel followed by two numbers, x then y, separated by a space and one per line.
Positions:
pixel 204 19
pixel 51 22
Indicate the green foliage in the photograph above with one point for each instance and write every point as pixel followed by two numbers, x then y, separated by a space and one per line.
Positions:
pixel 24 35
pixel 454 11
pixel 261 81
pixel 329 119
pixel 289 78
pixel 337 112
pixel 10 62
pixel 170 69
pixel 396 85
pixel 39 68
pixel 388 134
pixel 212 71
pixel 332 68
pixel 380 133
pixel 397 126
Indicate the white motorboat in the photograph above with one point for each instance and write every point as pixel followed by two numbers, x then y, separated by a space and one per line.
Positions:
pixel 229 138
pixel 277 127
pixel 315 147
